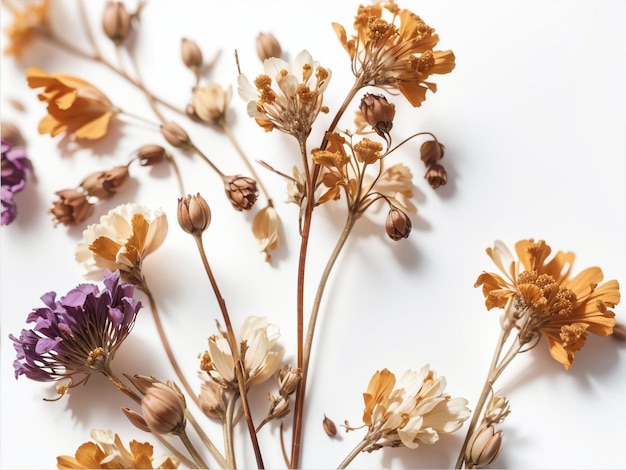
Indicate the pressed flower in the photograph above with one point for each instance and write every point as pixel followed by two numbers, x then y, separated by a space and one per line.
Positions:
pixel 75 106
pixel 260 353
pixel 210 102
pixel 265 228
pixel 108 451
pixel 411 411
pixel 394 53
pixel 542 299
pixel 288 98
pixel 15 166
pixel 72 207
pixel 29 20
pixel 122 240
pixel 77 334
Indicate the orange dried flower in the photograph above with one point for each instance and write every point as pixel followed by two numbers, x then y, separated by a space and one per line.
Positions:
pixel 74 105
pixel 27 23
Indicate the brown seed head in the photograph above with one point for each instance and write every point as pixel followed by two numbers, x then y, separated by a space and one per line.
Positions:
pixel 194 214
pixel 116 22
pixel 151 154
pixel 436 175
pixel 288 379
pixel 329 426
pixel 175 135
pixel 241 191
pixel 163 409
pixel 71 208
pixel 431 151
pixel 378 113
pixel 104 184
pixel 191 54
pixel 398 224
pixel 483 447
pixel 267 46
pixel 279 406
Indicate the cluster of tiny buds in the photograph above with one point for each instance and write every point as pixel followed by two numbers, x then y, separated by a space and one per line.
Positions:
pixel 431 152
pixel 288 379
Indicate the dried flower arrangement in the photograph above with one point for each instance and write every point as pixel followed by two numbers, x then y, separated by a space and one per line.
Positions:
pixel 245 396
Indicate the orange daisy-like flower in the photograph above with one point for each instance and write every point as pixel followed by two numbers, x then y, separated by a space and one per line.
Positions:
pixel 74 105
pixel 541 299
pixel 28 21
pixel 393 56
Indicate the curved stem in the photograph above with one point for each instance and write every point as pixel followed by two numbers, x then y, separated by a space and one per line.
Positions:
pixel 356 451
pixel 239 367
pixel 228 431
pixel 217 455
pixel 192 449
pixel 207 160
pixel 179 178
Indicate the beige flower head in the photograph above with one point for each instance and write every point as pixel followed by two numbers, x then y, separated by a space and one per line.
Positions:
pixel 121 240
pixel 287 97
pixel 210 102
pixel 71 208
pixel 265 227
pixel 411 411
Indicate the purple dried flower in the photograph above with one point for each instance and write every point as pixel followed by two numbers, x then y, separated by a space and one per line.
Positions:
pixel 77 334
pixel 15 164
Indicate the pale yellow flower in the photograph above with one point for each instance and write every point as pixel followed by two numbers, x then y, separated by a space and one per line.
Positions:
pixel 411 411
pixel 542 300
pixel 287 97
pixel 121 240
pixel 108 452
pixel 210 102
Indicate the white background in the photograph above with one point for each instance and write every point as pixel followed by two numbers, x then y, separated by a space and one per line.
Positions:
pixel 534 126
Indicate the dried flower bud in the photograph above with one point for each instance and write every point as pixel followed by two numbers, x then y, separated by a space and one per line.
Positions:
pixel 210 102
pixel 436 175
pixel 279 406
pixel 71 208
pixel 619 332
pixel 212 399
pixel 11 133
pixel 431 151
pixel 398 224
pixel 136 419
pixel 151 154
pixel 267 46
pixel 329 426
pixel 175 135
pixel 116 22
pixel 483 447
pixel 497 410
pixel 194 214
pixel 163 409
pixel 191 54
pixel 288 379
pixel 241 191
pixel 104 184
pixel 378 113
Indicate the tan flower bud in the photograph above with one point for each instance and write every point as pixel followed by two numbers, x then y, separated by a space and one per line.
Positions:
pixel 436 175
pixel 71 208
pixel 288 379
pixel 398 224
pixel 11 133
pixel 116 22
pixel 378 113
pixel 191 54
pixel 104 184
pixel 151 154
pixel 497 410
pixel 483 447
pixel 163 409
pixel 279 406
pixel 212 399
pixel 210 102
pixel 267 46
pixel 194 214
pixel 175 135
pixel 190 112
pixel 329 426
pixel 431 151
pixel 241 191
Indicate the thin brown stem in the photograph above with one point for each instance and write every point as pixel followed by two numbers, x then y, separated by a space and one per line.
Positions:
pixel 239 367
pixel 207 160
pixel 221 461
pixel 353 453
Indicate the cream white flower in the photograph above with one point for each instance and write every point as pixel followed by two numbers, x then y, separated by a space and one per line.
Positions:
pixel 261 354
pixel 121 240
pixel 211 102
pixel 286 97
pixel 265 228
pixel 396 184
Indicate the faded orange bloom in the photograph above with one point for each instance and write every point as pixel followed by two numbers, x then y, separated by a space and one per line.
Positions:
pixel 28 21
pixel 395 53
pixel 74 105
pixel 542 299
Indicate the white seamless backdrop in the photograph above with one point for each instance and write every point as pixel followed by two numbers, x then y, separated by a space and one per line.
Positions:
pixel 535 131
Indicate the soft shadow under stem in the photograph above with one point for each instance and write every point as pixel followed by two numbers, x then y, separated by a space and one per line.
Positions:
pixel 495 370
pixel 239 367
pixel 353 453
